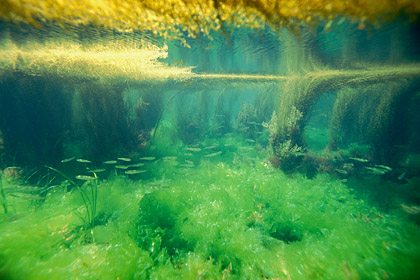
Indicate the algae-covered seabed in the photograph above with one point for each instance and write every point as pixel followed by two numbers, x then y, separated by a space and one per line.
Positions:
pixel 228 216
pixel 231 216
pixel 251 155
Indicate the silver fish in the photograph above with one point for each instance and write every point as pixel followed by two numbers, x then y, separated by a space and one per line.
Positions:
pixel 137 164
pixel 384 167
pixel 83 160
pixel 67 159
pixel 376 171
pixel 359 159
pixel 148 158
pixel 169 158
pixel 189 162
pixel 84 177
pixel 213 154
pixel 341 171
pixel 122 167
pixel 133 172
pixel 193 149
pixel 97 170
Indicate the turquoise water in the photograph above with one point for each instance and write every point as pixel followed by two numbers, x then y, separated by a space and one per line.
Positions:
pixel 299 161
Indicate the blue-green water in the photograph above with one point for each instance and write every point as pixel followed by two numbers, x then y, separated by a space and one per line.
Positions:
pixel 307 168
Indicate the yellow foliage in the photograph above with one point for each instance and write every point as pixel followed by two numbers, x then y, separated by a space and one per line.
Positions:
pixel 171 18
pixel 108 61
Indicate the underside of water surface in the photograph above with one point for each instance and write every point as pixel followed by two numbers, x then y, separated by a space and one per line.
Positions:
pixel 209 140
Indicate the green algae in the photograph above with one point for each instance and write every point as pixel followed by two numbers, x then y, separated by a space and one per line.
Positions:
pixel 233 217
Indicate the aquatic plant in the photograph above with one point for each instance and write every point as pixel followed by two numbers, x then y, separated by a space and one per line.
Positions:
pixel 192 122
pixel 222 115
pixel 3 194
pixel 232 222
pixel 253 114
pixel 238 220
pixel 103 120
pixel 88 195
pixel 299 94
pixel 246 120
pixel 83 62
pixel 376 115
pixel 285 138
pixel 184 19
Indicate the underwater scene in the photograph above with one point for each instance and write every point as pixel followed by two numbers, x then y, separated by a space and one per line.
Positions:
pixel 210 139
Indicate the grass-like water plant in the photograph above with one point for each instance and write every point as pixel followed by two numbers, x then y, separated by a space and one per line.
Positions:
pixel 3 195
pixel 89 196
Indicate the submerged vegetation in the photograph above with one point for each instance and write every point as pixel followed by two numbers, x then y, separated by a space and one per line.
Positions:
pixel 179 19
pixel 89 194
pixel 233 217
pixel 236 150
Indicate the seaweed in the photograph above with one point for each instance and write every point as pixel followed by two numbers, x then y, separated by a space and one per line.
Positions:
pixel 88 195
pixel 3 194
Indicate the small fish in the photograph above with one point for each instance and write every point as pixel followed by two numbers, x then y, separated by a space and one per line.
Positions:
pixel 148 158
pixel 359 159
pixel 124 159
pixel 110 162
pixel 83 160
pixel 121 167
pixel 188 154
pixel 210 147
pixel 250 140
pixel 384 167
pixel 189 162
pixel 348 165
pixel 213 154
pixel 402 176
pixel 413 210
pixel 132 172
pixel 169 158
pixel 341 171
pixel 376 171
pixel 137 164
pixel 84 177
pixel 67 159
pixel 229 144
pixel 97 170
pixel 193 149
pixel 187 165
